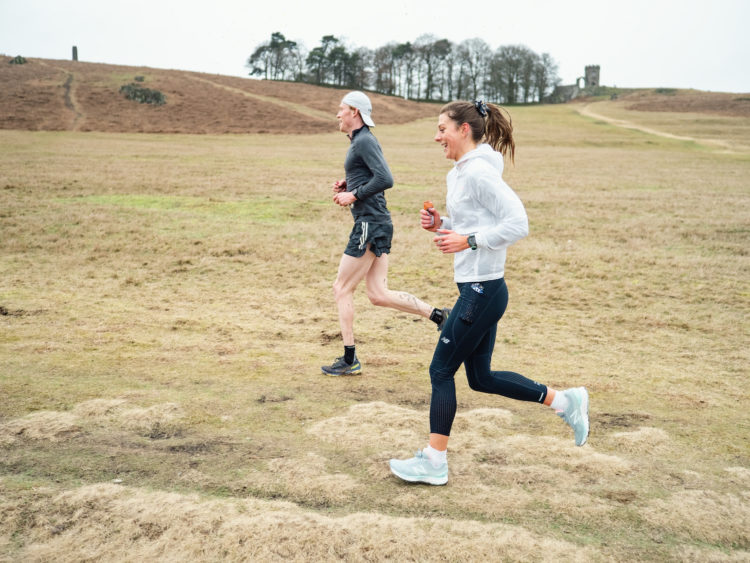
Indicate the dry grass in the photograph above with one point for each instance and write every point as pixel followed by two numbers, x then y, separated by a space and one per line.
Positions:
pixel 171 527
pixel 166 306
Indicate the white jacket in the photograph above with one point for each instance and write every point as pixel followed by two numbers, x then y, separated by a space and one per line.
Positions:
pixel 479 202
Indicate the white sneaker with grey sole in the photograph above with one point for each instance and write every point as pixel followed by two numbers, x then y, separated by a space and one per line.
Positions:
pixel 419 469
pixel 576 414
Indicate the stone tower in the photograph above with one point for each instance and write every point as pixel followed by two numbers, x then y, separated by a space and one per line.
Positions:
pixel 592 76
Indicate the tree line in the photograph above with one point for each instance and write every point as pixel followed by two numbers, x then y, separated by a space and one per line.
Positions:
pixel 428 69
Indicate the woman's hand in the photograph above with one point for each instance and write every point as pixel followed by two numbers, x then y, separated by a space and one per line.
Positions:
pixel 449 242
pixel 430 219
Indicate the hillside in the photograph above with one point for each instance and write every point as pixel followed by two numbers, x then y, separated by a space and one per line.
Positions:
pixel 59 95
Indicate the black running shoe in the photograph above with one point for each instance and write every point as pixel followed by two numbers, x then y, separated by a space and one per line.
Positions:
pixel 340 367
pixel 446 314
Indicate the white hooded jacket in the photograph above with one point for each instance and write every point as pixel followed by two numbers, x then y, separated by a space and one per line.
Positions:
pixel 479 202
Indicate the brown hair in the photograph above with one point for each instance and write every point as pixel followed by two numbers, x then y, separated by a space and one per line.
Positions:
pixel 488 122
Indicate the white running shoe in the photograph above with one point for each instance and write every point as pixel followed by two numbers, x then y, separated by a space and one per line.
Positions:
pixel 419 469
pixel 576 414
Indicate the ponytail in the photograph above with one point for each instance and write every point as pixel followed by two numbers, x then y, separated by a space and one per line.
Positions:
pixel 498 131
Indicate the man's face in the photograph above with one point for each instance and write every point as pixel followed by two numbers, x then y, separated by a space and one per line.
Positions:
pixel 347 117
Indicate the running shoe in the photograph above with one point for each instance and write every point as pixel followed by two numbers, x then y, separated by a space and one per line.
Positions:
pixel 576 415
pixel 340 367
pixel 419 469
pixel 446 313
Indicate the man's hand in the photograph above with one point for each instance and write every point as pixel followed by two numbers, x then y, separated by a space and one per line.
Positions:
pixel 344 199
pixel 339 186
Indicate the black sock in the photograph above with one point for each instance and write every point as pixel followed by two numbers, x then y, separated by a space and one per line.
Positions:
pixel 436 316
pixel 349 354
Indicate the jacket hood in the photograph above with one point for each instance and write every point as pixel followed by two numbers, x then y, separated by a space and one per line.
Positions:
pixel 487 153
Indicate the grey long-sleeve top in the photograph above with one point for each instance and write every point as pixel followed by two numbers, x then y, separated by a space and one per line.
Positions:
pixel 368 173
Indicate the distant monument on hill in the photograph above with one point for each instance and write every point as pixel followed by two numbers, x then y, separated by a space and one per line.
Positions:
pixel 591 76
pixel 590 79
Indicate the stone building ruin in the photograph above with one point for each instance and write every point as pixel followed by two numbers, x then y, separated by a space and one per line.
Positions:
pixel 591 76
pixel 565 93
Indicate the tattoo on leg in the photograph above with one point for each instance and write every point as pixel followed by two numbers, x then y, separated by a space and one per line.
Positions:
pixel 412 304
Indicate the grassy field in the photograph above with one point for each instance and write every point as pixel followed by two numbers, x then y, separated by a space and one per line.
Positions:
pixel 166 304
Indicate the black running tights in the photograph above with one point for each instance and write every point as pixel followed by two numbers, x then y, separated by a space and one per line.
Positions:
pixel 468 338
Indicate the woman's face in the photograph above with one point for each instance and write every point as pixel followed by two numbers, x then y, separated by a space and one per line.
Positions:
pixel 451 137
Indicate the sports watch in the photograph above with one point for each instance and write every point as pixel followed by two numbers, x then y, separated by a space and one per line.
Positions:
pixel 472 241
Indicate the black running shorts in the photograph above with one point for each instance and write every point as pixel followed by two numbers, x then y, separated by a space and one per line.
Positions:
pixel 375 236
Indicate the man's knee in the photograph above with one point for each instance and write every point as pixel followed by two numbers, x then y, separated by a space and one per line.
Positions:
pixel 341 290
pixel 343 286
pixel 378 299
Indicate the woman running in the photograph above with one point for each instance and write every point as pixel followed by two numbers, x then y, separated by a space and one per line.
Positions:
pixel 485 217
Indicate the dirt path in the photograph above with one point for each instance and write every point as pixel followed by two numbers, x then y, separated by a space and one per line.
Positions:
pixel 71 102
pixel 587 112
pixel 304 110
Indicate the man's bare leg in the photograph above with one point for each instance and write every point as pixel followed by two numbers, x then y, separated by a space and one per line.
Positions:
pixel 351 272
pixel 380 295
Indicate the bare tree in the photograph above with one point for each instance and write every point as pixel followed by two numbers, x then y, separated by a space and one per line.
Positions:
pixel 447 70
pixel 383 69
pixel 526 79
pixel 432 52
pixel 545 76
pixel 298 62
pixel 474 56
pixel 495 85
pixel 508 64
pixel 404 57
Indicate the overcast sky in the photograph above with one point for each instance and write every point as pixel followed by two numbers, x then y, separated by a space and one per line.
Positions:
pixel 637 43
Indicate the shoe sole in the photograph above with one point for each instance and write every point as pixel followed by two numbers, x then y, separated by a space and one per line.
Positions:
pixel 353 372
pixel 586 406
pixel 421 479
